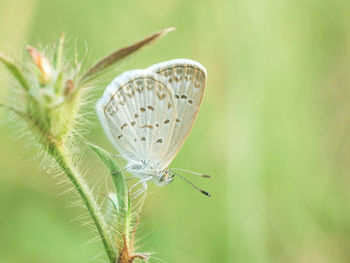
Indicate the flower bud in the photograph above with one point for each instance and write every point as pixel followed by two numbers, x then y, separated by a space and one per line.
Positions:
pixel 42 63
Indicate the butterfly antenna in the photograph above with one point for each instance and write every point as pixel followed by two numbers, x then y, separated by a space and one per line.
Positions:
pixel 195 187
pixel 190 172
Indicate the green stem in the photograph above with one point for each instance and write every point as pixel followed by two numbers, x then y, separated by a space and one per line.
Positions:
pixel 86 195
pixel 127 222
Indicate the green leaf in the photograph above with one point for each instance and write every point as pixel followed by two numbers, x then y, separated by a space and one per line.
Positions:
pixel 15 71
pixel 111 208
pixel 118 177
pixel 118 55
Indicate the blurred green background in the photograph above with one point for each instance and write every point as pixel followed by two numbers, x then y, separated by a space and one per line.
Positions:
pixel 273 130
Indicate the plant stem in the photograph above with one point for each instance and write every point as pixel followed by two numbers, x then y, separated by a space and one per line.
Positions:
pixel 63 160
pixel 127 222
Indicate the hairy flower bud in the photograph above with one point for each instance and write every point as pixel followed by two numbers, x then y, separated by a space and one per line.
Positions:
pixel 43 64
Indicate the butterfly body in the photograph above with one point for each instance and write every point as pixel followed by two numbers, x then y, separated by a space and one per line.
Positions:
pixel 144 170
pixel 147 115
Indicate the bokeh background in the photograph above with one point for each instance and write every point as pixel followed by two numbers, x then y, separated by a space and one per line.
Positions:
pixel 273 130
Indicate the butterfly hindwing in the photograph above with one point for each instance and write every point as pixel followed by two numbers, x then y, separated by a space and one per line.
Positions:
pixel 187 79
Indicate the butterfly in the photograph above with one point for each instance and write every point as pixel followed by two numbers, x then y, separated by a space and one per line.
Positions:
pixel 148 114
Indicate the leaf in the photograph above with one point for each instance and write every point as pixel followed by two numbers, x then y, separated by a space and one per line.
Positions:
pixel 15 71
pixel 118 55
pixel 118 177
pixel 111 208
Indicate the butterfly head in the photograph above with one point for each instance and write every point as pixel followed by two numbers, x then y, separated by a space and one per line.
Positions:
pixel 165 177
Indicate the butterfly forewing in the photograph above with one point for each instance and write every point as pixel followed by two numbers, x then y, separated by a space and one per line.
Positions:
pixel 187 79
pixel 138 113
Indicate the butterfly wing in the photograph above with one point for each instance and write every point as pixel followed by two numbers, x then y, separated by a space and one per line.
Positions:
pixel 187 79
pixel 137 112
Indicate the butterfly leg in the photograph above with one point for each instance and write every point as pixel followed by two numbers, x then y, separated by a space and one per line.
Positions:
pixel 143 189
pixel 130 177
pixel 120 170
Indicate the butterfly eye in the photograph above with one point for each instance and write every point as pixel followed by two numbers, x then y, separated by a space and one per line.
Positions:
pixel 162 178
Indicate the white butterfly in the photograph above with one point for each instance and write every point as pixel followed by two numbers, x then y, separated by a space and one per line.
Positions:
pixel 147 115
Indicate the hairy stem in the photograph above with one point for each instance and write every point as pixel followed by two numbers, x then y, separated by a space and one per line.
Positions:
pixel 127 222
pixel 63 160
